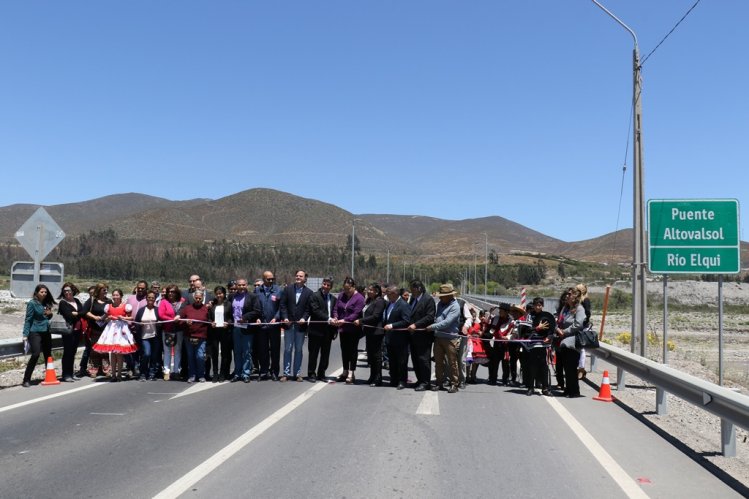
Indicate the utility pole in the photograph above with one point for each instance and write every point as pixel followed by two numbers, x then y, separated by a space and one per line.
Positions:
pixel 639 263
pixel 353 238
pixel 486 264
pixel 387 280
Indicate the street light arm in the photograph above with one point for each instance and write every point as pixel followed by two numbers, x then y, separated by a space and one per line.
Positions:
pixel 607 11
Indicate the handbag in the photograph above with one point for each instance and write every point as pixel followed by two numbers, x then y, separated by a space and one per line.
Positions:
pixel 58 325
pixel 569 343
pixel 586 338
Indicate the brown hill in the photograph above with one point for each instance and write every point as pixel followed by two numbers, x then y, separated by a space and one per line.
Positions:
pixel 268 216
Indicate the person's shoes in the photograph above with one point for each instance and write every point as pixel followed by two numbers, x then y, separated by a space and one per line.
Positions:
pixel 351 379
pixel 434 388
pixel 26 384
pixel 283 379
pixel 166 376
pixel 530 391
pixel 452 389
pixel 81 374
pixel 142 378
pixel 581 372
pixel 311 377
pixel 113 379
pixel 76 377
pixel 221 379
pixel 273 377
pixel 546 392
pixel 264 377
pixel 321 376
pixel 341 378
pixel 401 386
pixel 246 379
pixel 67 379
pixel 573 395
pixel 201 380
pixel 299 378
pixel 462 386
pixel 191 379
pixel 421 387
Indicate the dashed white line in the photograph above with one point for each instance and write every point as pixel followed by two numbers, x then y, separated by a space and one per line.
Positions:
pixel 202 470
pixel 430 405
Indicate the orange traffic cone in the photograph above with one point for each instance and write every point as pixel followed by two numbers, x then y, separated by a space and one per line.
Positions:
pixel 604 394
pixel 50 376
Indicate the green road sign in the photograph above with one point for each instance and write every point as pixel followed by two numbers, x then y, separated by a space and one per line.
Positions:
pixel 694 236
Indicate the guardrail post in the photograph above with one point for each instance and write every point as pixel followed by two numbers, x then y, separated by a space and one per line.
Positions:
pixel 661 402
pixel 727 438
pixel 593 363
pixel 621 379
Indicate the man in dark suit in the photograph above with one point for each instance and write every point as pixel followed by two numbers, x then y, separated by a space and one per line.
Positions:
pixel 397 318
pixel 321 332
pixel 422 315
pixel 294 312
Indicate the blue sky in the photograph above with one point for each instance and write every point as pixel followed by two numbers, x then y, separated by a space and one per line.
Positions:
pixel 447 109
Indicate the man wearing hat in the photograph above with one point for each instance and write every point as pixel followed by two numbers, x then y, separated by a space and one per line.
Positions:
pixel 446 337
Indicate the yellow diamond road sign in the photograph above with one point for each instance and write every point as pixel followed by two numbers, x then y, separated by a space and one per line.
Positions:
pixel 40 234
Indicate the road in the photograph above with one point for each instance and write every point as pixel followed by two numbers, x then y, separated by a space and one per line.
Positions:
pixel 293 439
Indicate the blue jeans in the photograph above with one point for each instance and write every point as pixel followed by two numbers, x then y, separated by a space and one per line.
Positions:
pixel 177 354
pixel 242 352
pixel 293 339
pixel 150 351
pixel 195 359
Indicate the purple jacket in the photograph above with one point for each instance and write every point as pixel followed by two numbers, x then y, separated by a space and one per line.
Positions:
pixel 348 309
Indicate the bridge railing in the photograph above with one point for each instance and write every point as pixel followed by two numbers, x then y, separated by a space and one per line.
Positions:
pixel 731 407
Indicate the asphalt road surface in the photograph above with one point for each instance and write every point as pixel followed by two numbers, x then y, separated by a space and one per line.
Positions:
pixel 270 439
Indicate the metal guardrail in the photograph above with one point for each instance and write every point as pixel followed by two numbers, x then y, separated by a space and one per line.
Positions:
pixel 14 348
pixel 731 407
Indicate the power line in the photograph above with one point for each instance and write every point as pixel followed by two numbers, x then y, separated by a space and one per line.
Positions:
pixel 621 187
pixel 669 33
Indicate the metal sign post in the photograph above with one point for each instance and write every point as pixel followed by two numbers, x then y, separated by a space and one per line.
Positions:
pixel 39 235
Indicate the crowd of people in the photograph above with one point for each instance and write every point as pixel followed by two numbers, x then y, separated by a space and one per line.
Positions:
pixel 235 334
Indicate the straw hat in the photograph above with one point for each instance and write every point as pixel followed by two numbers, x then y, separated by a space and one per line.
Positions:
pixel 446 290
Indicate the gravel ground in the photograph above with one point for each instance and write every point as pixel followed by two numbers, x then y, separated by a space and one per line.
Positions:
pixel 692 430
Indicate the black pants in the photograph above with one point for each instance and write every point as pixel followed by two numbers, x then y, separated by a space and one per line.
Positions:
pixel 509 355
pixel 219 339
pixel 559 365
pixel 319 345
pixel 571 358
pixel 535 370
pixel 260 352
pixel 349 349
pixel 374 357
pixel 274 346
pixel 69 348
pixel 421 355
pixel 398 353
pixel 38 343
pixel 83 366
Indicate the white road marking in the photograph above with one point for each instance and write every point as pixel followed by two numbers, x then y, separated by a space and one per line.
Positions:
pixel 48 397
pixel 107 413
pixel 197 388
pixel 202 470
pixel 430 405
pixel 628 485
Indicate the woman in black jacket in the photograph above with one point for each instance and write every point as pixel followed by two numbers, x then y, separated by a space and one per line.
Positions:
pixel 71 310
pixel 371 322
pixel 220 335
